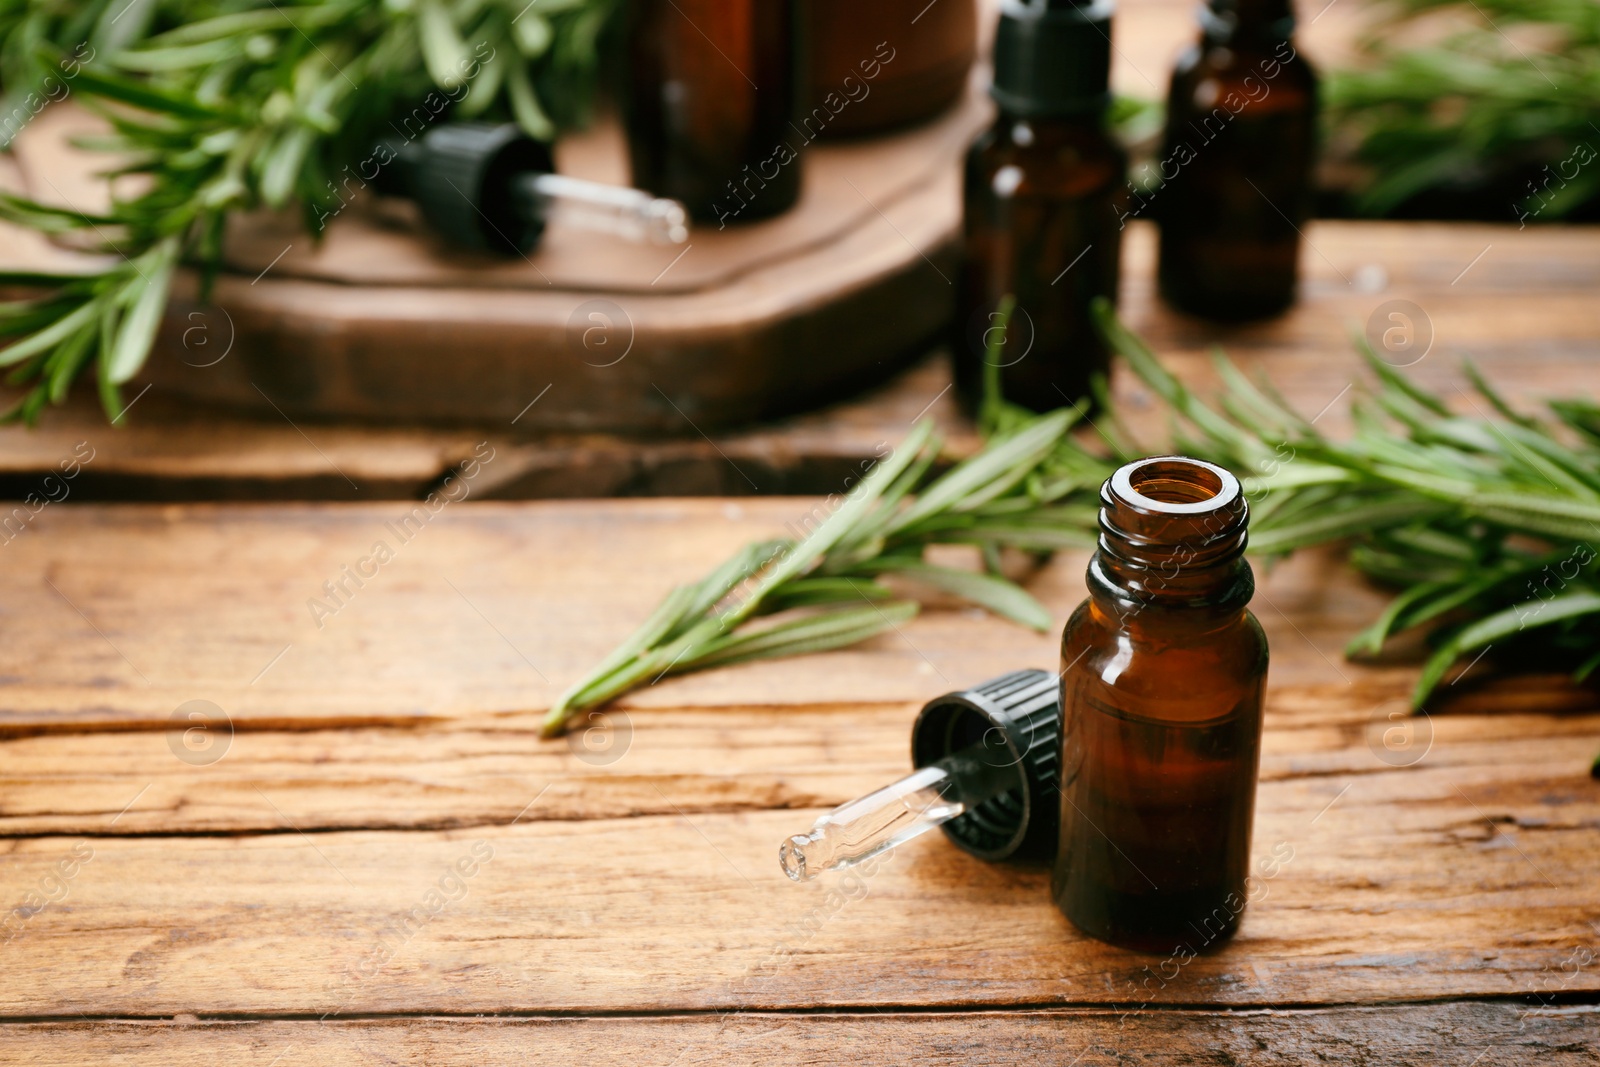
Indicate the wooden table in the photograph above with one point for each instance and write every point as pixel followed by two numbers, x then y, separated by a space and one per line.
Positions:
pixel 386 865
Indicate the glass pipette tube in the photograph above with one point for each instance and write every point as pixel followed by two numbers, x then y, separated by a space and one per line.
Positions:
pixel 928 797
pixel 629 213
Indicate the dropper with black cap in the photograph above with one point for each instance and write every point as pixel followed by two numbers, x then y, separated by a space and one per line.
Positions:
pixel 490 187
pixel 986 762
pixel 1043 209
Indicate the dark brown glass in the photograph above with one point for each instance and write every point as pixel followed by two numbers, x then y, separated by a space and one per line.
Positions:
pixel 1043 198
pixel 1163 670
pixel 714 86
pixel 887 63
pixel 1237 165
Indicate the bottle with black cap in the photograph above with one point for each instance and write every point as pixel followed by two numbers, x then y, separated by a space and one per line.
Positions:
pixel 1043 191
pixel 1236 165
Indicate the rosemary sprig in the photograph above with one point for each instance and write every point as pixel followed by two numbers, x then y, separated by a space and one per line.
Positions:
pixel 827 580
pixel 1484 524
pixel 1476 105
pixel 219 106
pixel 829 577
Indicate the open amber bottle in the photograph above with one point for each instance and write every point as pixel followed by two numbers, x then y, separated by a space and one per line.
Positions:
pixel 1236 166
pixel 1163 670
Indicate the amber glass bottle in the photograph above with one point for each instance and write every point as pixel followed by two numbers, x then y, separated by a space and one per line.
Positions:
pixel 1042 195
pixel 1163 669
pixel 713 90
pixel 1236 166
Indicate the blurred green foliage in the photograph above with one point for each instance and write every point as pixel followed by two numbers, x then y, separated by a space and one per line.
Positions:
pixel 229 105
pixel 1506 99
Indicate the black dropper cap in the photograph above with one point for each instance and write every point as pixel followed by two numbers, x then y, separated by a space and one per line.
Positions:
pixel 1053 57
pixel 1023 711
pixel 462 177
pixel 1265 20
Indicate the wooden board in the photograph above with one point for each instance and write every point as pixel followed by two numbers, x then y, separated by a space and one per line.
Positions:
pixel 166 449
pixel 380 321
pixel 479 773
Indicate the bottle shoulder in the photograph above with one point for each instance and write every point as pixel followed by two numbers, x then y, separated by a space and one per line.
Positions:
pixel 1045 157
pixel 1142 620
pixel 1100 633
pixel 1163 669
pixel 1261 75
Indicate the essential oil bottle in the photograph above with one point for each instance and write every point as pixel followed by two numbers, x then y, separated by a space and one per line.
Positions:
pixel 1042 193
pixel 1236 165
pixel 1163 669
pixel 713 91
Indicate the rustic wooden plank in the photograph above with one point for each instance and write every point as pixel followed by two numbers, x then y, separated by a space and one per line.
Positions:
pixel 169 450
pixel 1516 302
pixel 1467 880
pixel 1424 1035
pixel 177 453
pixel 1522 312
pixel 119 614
pixel 482 771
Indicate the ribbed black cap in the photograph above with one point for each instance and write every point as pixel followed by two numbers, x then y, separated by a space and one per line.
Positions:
pixel 1262 20
pixel 1025 708
pixel 1053 57
pixel 460 175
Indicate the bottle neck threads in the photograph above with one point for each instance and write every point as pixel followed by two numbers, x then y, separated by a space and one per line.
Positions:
pixel 1173 534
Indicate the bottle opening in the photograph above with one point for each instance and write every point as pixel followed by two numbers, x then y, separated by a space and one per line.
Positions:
pixel 1171 528
pixel 1175 485
pixel 1179 483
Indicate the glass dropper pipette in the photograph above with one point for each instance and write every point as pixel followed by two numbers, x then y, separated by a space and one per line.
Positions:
pixel 928 797
pixel 582 204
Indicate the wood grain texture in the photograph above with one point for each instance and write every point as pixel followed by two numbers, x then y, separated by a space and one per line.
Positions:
pixel 484 771
pixel 168 450
pixel 1434 1035
pixel 648 884
pixel 118 614
pixel 386 840
pixel 1469 873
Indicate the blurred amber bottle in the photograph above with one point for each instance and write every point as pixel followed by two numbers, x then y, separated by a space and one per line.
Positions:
pixel 1236 165
pixel 888 63
pixel 1163 670
pixel 1042 193
pixel 713 90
